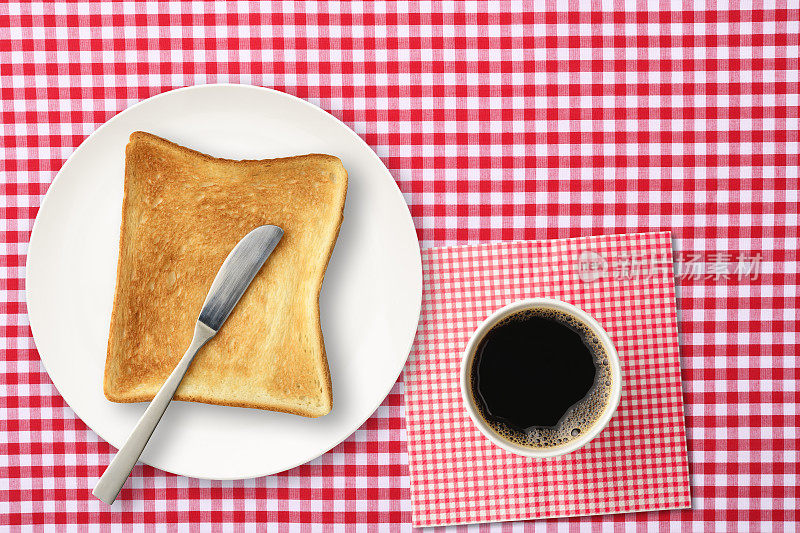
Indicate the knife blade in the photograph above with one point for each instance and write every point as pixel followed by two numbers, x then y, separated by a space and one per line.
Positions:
pixel 236 273
pixel 234 276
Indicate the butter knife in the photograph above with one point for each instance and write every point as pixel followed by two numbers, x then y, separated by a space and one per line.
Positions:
pixel 233 278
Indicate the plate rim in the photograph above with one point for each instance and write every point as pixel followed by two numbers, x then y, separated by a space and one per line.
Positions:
pixel 280 94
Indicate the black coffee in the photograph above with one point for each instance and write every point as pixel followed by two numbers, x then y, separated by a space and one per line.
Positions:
pixel 540 377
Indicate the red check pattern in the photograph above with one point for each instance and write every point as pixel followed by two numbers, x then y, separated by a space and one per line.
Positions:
pixel 637 463
pixel 499 121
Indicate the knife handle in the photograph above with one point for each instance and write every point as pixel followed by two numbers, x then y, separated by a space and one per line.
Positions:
pixel 120 468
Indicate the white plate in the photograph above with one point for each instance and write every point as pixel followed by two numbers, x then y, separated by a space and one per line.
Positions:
pixel 370 298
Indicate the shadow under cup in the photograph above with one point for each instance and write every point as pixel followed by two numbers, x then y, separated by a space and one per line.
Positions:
pixel 601 407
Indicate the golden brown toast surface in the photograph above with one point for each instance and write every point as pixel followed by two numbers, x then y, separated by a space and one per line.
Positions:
pixel 182 214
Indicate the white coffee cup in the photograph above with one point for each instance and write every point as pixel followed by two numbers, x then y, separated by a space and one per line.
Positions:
pixel 584 437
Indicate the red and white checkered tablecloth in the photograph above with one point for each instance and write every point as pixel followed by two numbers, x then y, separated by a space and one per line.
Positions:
pixel 501 121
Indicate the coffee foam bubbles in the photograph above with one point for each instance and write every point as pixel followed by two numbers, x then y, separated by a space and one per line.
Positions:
pixel 582 415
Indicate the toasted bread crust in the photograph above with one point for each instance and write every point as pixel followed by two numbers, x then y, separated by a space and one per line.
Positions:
pixel 183 211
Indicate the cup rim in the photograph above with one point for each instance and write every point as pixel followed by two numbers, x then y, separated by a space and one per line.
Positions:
pixel 608 346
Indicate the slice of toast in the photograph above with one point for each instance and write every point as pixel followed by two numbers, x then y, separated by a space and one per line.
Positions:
pixel 183 212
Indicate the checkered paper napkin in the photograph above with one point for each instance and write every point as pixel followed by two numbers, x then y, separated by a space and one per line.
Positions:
pixel 637 463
